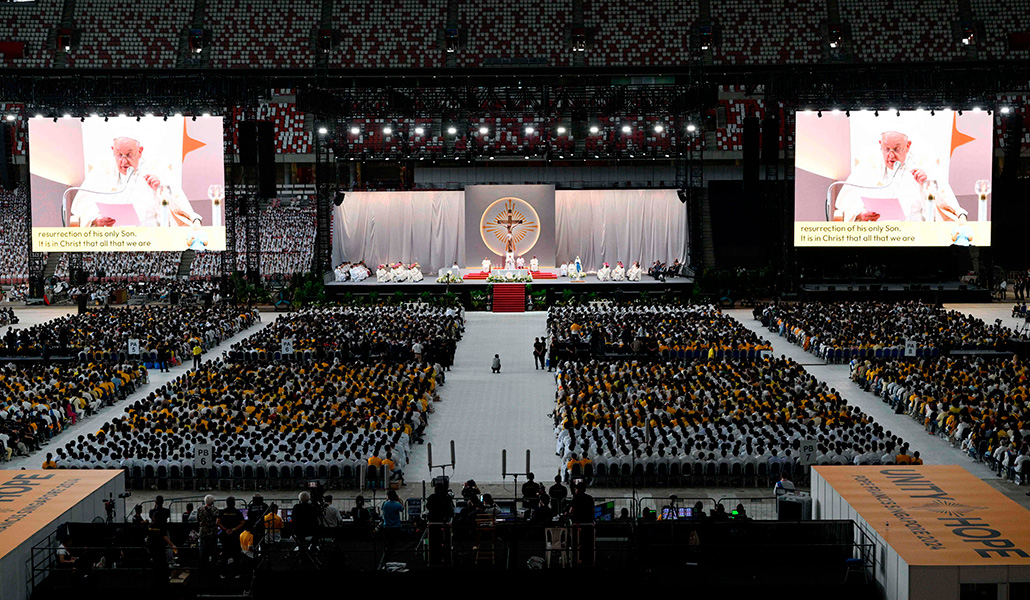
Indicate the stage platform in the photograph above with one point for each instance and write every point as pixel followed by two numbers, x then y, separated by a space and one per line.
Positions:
pixel 943 292
pixel 336 290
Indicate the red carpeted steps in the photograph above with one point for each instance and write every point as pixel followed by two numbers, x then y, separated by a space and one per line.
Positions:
pixel 509 297
pixel 475 276
pixel 543 275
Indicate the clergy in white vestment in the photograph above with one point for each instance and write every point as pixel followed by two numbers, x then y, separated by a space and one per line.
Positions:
pixel 509 260
pixel 382 274
pixel 415 273
pixel 148 187
pixel 619 272
pixel 634 272
pixel 399 273
pixel 520 263
pixel 564 270
pixel 358 272
pixel 486 265
pixel 534 264
pixel 604 273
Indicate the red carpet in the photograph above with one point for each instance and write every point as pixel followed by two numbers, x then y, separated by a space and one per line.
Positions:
pixel 509 297
pixel 542 275
pixel 476 276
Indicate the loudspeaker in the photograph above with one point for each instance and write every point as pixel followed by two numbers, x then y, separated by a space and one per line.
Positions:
pixel 751 139
pixel 266 159
pixel 770 140
pixel 247 142
pixel 8 170
pixel 82 300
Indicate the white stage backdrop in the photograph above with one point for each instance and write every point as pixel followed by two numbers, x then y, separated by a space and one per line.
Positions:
pixel 614 225
pixel 429 227
pixel 387 227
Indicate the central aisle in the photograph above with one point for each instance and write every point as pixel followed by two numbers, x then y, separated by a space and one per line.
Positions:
pixel 484 413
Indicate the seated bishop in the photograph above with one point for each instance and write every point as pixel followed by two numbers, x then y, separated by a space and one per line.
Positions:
pixel 382 275
pixel 635 272
pixel 486 265
pixel 619 272
pixel 399 273
pixel 415 273
pixel 534 264
pixel 358 272
pixel 520 263
pixel 509 260
pixel 604 273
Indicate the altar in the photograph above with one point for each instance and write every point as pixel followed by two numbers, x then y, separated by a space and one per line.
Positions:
pixel 515 273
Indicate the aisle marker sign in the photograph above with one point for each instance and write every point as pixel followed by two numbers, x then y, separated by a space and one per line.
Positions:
pixel 133 347
pixel 910 347
pixel 202 456
pixel 287 346
pixel 808 450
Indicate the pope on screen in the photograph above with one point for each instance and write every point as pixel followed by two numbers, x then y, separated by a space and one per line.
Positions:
pixel 896 184
pixel 129 190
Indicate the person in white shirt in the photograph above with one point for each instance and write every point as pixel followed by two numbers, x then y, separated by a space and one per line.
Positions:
pixel 635 272
pixel 619 272
pixel 131 180
pixel 896 172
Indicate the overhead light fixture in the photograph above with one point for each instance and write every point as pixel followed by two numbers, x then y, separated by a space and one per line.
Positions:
pixel 205 115
pixel 819 114
pixel 561 131
pixel 932 112
pixel 1005 110
pixel 452 130
pixel 835 111
pixel 976 109
pixel 322 131
pixel 847 113
pixel 10 117
pixel 659 128
pixel 876 113
pixel 93 115
pixel 484 130
pixel 594 129
pixel 892 109
pixel 39 116
pixel 121 115
pixel 387 130
pixel 177 115
pixel 66 116
pixel 691 128
pixel 626 129
pixel 419 131
pixel 529 130
pixel 354 130
pixel 148 115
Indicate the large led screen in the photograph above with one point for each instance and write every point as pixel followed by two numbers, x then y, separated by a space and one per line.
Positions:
pixel 908 178
pixel 126 184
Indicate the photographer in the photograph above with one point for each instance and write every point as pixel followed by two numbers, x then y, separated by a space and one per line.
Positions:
pixel 440 505
pixel 304 518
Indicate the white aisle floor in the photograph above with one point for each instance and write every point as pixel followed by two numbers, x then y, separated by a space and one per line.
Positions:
pixel 484 413
pixel 91 424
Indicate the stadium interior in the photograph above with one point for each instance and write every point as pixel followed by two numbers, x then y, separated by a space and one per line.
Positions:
pixel 273 274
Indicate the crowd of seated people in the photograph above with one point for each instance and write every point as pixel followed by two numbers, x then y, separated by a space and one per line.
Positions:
pixel 976 403
pixel 388 333
pixel 7 316
pixel 110 266
pixel 271 414
pixel 710 414
pixel 107 331
pixel 667 331
pixel 832 329
pixel 348 271
pixel 38 401
pixel 14 237
pixel 399 272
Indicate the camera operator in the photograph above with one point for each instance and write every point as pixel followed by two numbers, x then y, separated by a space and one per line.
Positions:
pixel 330 514
pixel 305 518
pixel 440 505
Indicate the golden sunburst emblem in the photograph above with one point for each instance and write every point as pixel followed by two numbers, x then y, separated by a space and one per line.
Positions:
pixel 509 225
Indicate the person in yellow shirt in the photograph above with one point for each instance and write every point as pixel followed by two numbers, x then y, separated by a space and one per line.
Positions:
pixel 49 463
pixel 273 524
